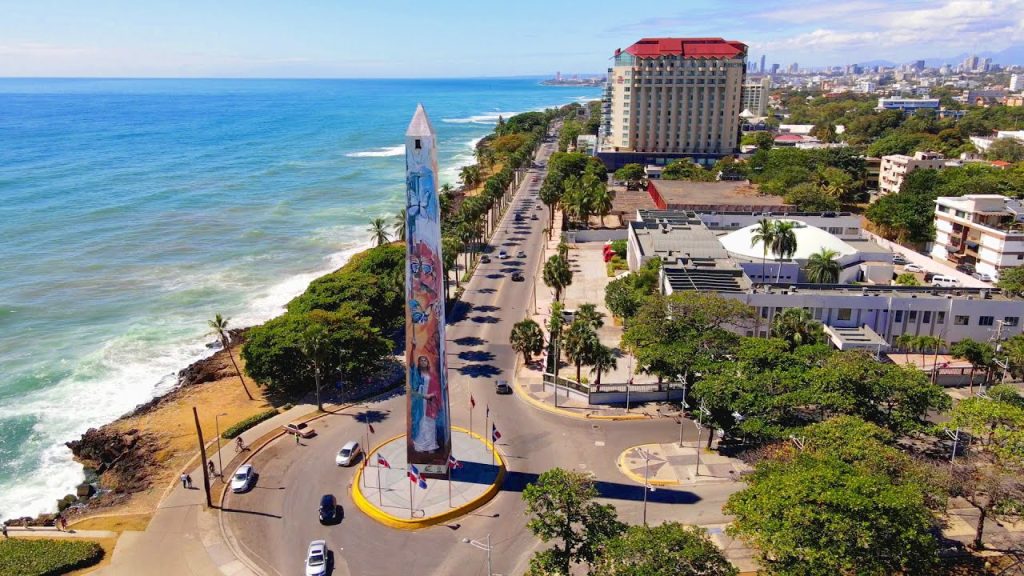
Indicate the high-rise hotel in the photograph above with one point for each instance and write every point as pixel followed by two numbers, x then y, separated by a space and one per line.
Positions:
pixel 673 97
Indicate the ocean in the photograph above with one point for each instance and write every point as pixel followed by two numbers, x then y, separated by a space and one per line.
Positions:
pixel 132 211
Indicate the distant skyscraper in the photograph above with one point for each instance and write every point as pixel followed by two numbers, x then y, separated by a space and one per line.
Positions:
pixel 1016 82
pixel 761 69
pixel 775 69
pixel 794 68
pixel 971 63
pixel 919 65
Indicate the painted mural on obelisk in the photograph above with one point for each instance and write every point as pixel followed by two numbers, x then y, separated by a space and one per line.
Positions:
pixel 429 424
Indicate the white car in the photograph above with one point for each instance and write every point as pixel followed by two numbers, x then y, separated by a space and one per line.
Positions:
pixel 913 268
pixel 983 277
pixel 316 558
pixel 348 454
pixel 243 477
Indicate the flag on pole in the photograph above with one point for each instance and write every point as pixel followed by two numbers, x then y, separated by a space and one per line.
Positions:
pixel 495 435
pixel 370 426
pixel 472 403
pixel 382 462
pixel 453 464
pixel 415 478
pixel 488 411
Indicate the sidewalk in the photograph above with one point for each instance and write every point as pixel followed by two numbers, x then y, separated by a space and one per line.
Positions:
pixel 674 465
pixel 184 537
pixel 46 532
pixel 529 385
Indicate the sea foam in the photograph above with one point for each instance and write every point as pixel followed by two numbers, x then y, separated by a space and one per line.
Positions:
pixel 379 152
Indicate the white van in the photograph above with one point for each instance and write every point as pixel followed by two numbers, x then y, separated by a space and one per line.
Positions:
pixel 945 281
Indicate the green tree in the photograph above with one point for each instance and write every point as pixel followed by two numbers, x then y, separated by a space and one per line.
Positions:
pixel 907 279
pixel 562 510
pixel 764 140
pixel 765 234
pixel 527 338
pixel 633 175
pixel 670 549
pixel 784 244
pixel 602 358
pixel 316 347
pixel 219 327
pixel 797 327
pixel 557 275
pixel 810 198
pixel 470 175
pixel 822 267
pixel 1006 149
pixel 601 201
pixel 977 353
pixel 579 343
pixel 1011 281
pixel 378 232
pixel 836 183
pixel 399 225
pixel 685 169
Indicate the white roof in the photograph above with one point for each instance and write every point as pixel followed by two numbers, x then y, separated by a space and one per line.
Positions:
pixel 809 240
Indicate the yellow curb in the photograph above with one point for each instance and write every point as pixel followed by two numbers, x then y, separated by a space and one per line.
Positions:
pixel 566 413
pixel 416 523
pixel 621 464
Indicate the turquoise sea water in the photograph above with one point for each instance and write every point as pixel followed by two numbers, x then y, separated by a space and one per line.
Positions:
pixel 131 211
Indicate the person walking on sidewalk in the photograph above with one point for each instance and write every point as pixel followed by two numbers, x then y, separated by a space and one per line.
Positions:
pixel 184 480
pixel 188 479
pixel 63 523
pixel 296 439
pixel 4 529
pixel 209 466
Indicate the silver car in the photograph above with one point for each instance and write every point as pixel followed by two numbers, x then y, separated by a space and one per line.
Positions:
pixel 316 558
pixel 348 454
pixel 243 478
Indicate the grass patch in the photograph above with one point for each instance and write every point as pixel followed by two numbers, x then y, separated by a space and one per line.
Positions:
pixel 121 523
pixel 20 557
pixel 249 422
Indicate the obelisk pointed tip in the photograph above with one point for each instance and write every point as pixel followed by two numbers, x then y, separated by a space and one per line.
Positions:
pixel 420 125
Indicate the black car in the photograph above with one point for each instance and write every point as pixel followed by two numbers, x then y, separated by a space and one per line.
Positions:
pixel 517 276
pixel 328 509
pixel 519 217
pixel 485 259
pixel 502 387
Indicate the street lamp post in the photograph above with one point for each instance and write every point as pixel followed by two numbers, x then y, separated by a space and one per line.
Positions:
pixel 647 485
pixel 485 546
pixel 220 463
pixel 700 425
pixel 682 410
pixel 955 436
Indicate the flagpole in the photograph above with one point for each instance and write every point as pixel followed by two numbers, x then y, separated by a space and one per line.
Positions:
pixel 487 416
pixel 410 496
pixel 492 447
pixel 380 489
pixel 449 483
pixel 366 452
pixel 471 416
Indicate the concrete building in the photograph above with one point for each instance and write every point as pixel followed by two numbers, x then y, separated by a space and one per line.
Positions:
pixel 983 142
pixel 755 96
pixel 1016 82
pixel 870 314
pixel 673 98
pixel 982 230
pixel 908 104
pixel 895 168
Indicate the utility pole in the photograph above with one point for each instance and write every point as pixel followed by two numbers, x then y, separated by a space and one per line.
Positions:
pixel 682 411
pixel 220 463
pixel 202 455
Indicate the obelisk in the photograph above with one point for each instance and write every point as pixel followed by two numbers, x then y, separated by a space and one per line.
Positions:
pixel 429 422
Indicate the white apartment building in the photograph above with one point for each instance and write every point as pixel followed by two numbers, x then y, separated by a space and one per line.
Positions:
pixel 1016 82
pixel 895 168
pixel 676 96
pixel 908 104
pixel 983 230
pixel 983 142
pixel 755 96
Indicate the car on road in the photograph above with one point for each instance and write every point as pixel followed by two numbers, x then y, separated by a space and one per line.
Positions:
pixel 502 254
pixel 519 217
pixel 898 259
pixel 316 558
pixel 485 259
pixel 299 429
pixel 983 276
pixel 913 268
pixel 517 276
pixel 533 217
pixel 502 387
pixel 943 281
pixel 538 207
pixel 328 511
pixel 521 254
pixel 243 478
pixel 348 454
pixel 966 268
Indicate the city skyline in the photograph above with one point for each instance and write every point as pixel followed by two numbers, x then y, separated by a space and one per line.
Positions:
pixel 323 40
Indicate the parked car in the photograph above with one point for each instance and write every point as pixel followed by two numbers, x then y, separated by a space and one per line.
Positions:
pixel 517 276
pixel 502 387
pixel 898 259
pixel 243 478
pixel 913 268
pixel 534 217
pixel 538 207
pixel 519 217
pixel 984 277
pixel 944 281
pixel 299 429
pixel 328 511
pixel 966 268
pixel 502 255
pixel 348 454
pixel 521 254
pixel 485 259
pixel 316 558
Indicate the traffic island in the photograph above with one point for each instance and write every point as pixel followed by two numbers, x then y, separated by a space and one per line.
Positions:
pixel 383 490
pixel 674 465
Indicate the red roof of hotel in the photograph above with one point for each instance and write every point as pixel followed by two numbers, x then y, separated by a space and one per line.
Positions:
pixel 687 47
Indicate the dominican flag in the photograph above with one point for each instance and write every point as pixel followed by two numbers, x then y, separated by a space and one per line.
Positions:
pixel 472 403
pixel 488 411
pixel 495 435
pixel 382 462
pixel 453 464
pixel 415 478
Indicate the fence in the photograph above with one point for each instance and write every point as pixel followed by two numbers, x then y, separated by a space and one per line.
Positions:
pixel 616 393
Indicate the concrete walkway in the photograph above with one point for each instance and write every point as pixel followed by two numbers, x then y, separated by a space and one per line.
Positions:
pixel 674 465
pixel 39 532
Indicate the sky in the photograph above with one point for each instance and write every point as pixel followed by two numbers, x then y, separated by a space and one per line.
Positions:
pixel 449 38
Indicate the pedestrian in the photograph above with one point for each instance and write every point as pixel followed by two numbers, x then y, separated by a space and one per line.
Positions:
pixel 63 524
pixel 184 480
pixel 56 522
pixel 209 466
pixel 5 531
pixel 239 444
pixel 188 479
pixel 296 439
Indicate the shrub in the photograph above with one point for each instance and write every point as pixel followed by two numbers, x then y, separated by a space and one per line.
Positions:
pixel 620 248
pixel 249 422
pixel 20 557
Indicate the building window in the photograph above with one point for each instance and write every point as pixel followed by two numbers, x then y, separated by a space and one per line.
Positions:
pixel 844 314
pixel 960 320
pixel 899 316
pixel 940 317
pixel 985 320
pixel 926 317
pixel 1010 321
pixel 912 316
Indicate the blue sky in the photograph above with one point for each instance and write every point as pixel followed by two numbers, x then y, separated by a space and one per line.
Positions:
pixel 401 38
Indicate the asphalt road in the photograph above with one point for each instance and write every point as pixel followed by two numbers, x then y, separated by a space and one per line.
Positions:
pixel 273 523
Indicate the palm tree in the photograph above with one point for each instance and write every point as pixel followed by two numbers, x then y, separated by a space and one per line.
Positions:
pixel 470 175
pixel 219 325
pixel 602 358
pixel 798 327
pixel 907 342
pixel 557 274
pixel 527 338
pixel 316 348
pixel 579 343
pixel 602 201
pixel 765 234
pixel 822 268
pixel 977 353
pixel 399 225
pixel 378 232
pixel 589 315
pixel 926 343
pixel 784 243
